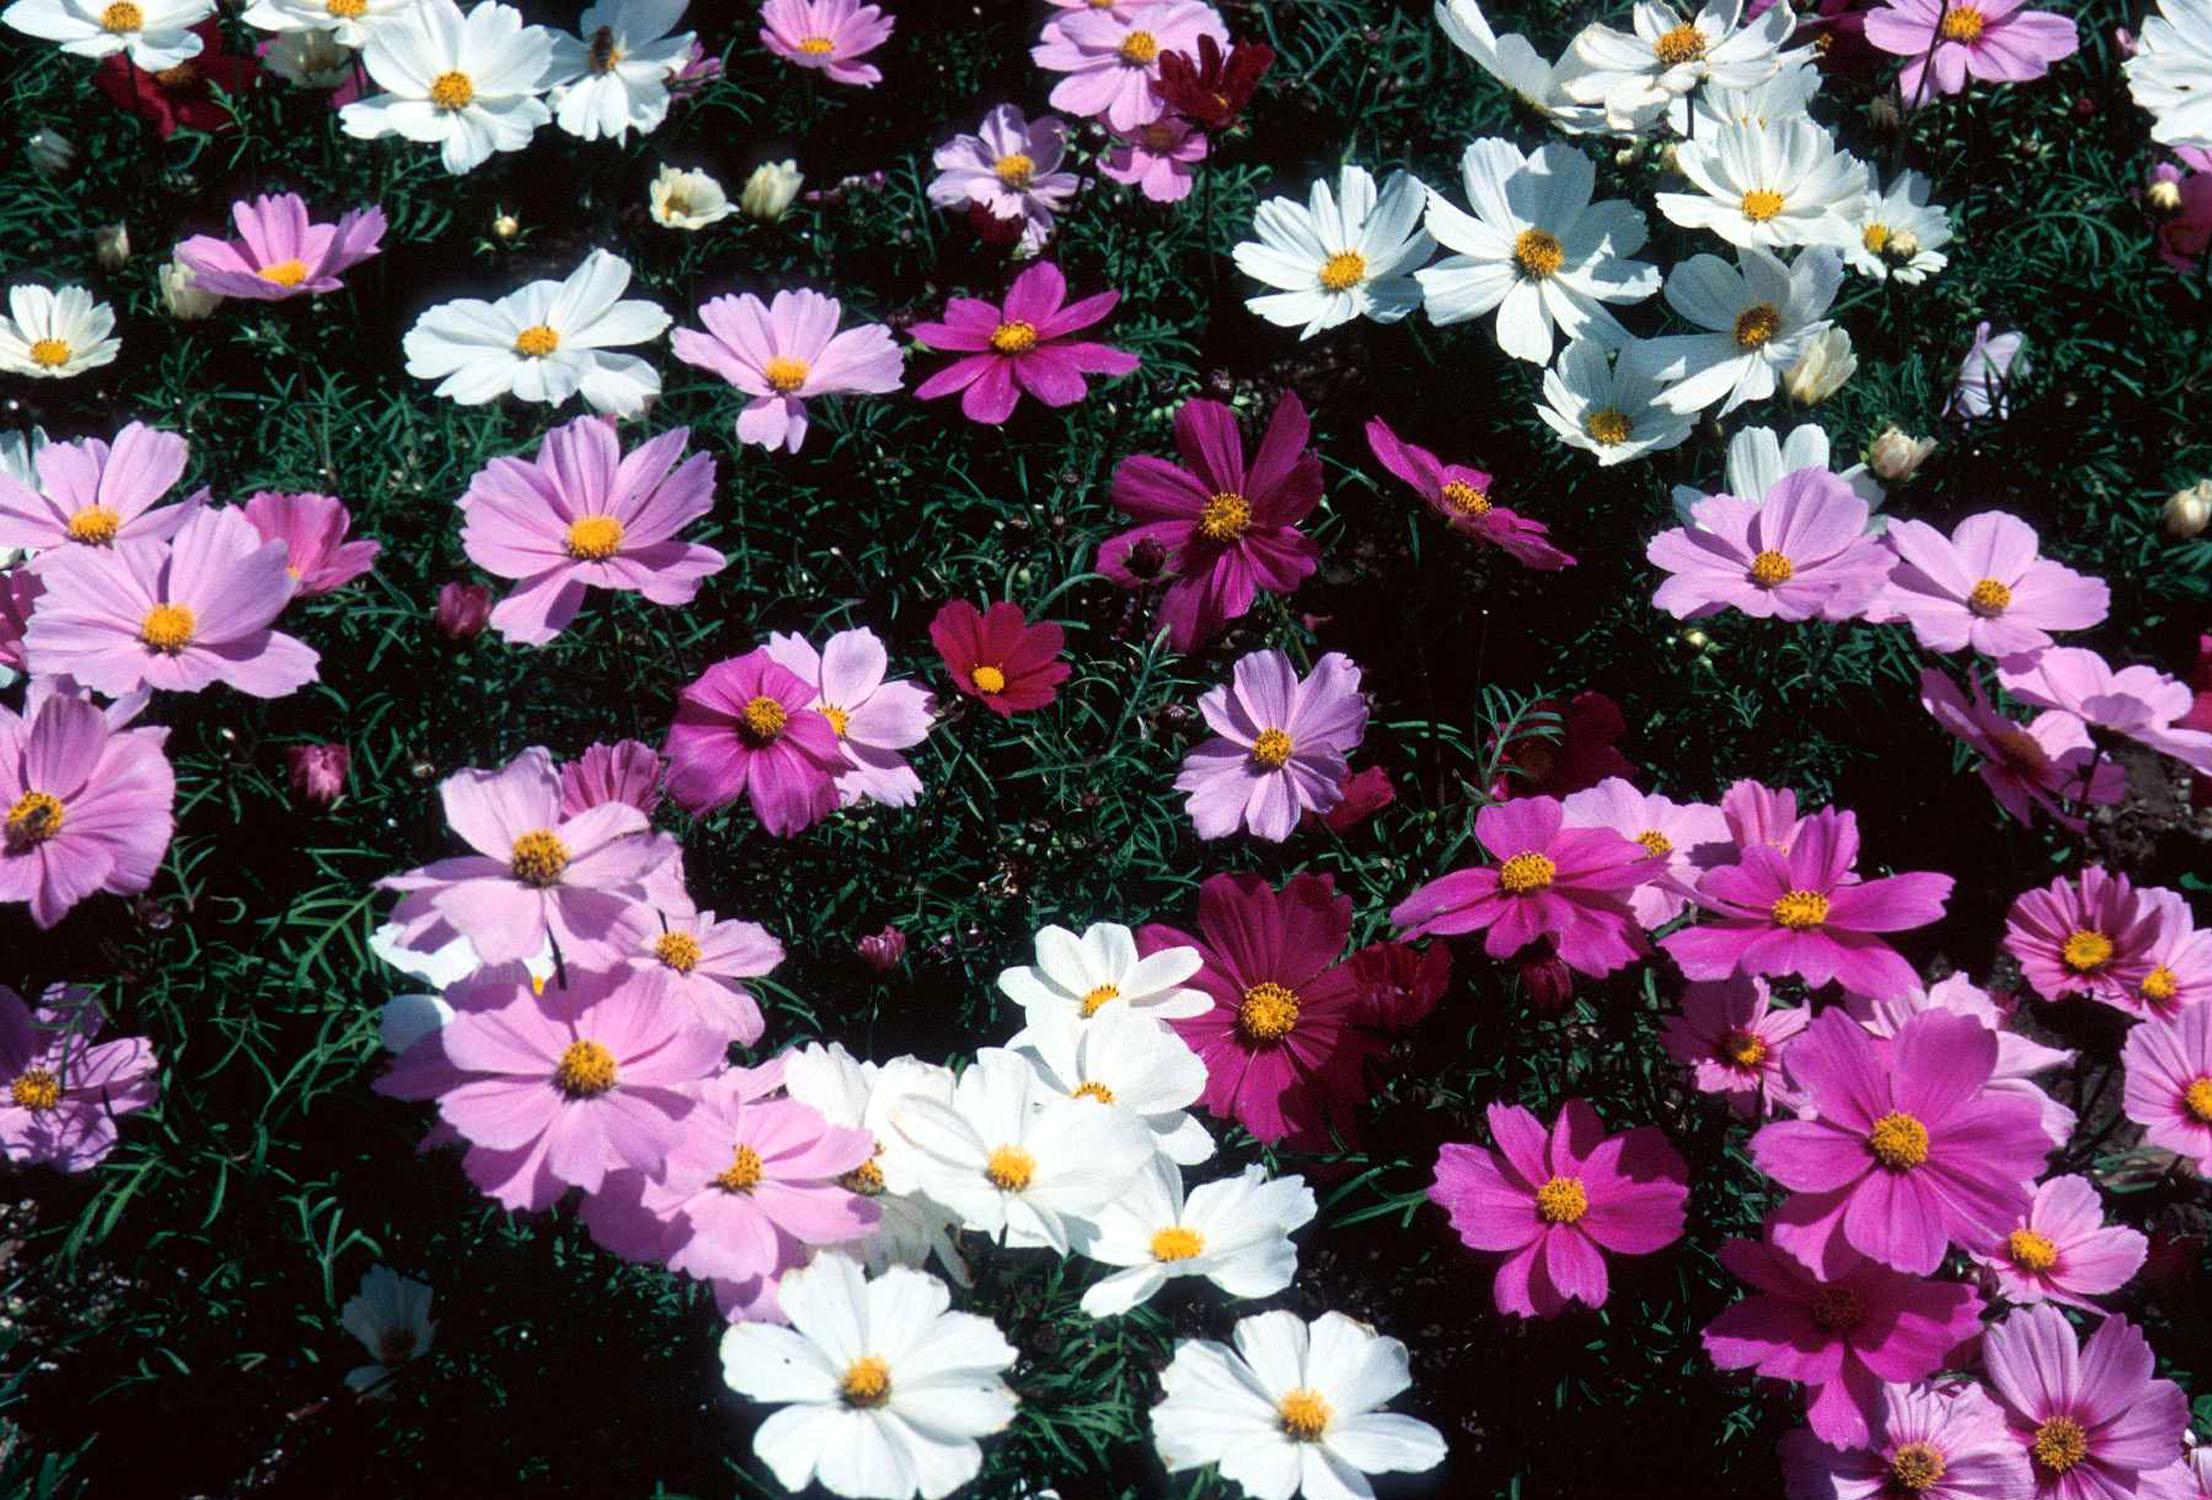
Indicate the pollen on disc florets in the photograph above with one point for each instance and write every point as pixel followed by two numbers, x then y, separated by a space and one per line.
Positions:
pixel 1010 1169
pixel 988 679
pixel 865 1179
pixel 1465 498
pixel 1989 598
pixel 452 90
pixel 678 950
pixel 817 46
pixel 1756 325
pixel 1343 271
pixel 1527 872
pixel 1800 910
pixel 537 341
pixel 1915 1468
pixel 1898 1141
pixel 1178 1243
pixel 1609 425
pixel 284 272
pixel 594 538
pixel 1304 1415
pixel 168 628
pixel 35 818
pixel 1656 844
pixel 35 1089
pixel 539 858
pixel 1684 43
pixel 1014 338
pixel 122 16
pixel 346 10
pixel 1096 998
pixel 95 526
pixel 1268 1012
pixel 586 1070
pixel 1837 1308
pixel 1762 204
pixel 2197 1099
pixel 1771 569
pixel 2086 951
pixel 1015 169
pixel 1140 49
pixel 50 354
pixel 1271 749
pixel 1092 1089
pixel 743 1174
pixel 1538 253
pixel 1742 1048
pixel 1562 1200
pixel 1963 23
pixel 866 1382
pixel 1224 517
pixel 784 374
pixel 762 719
pixel 2060 1444
pixel 2031 1251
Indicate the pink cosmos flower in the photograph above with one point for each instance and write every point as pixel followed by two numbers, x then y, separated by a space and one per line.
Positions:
pixel 278 253
pixel 1023 344
pixel 831 35
pixel 1284 1056
pixel 1671 832
pixel 1802 553
pixel 2042 763
pixel 1568 884
pixel 61 1091
pixel 535 874
pixel 2093 1419
pixel 2019 1059
pixel 2139 702
pixel 317 772
pixel 2180 960
pixel 1735 1043
pixel 1011 169
pixel 787 351
pixel 1983 387
pixel 463 610
pixel 583 515
pixel 313 528
pixel 1985 587
pixel 1840 1336
pixel 1218 531
pixel 180 615
pixel 1925 1442
pixel 745 729
pixel 1279 748
pixel 625 771
pixel 1902 1146
pixel 1111 61
pixel 2062 1250
pixel 2085 935
pixel 2169 1083
pixel 89 803
pixel 1156 158
pixel 1806 913
pixel 997 657
pixel 560 1089
pixel 1554 1203
pixel 707 963
pixel 1945 42
pixel 874 719
pixel 93 495
pixel 1462 497
pixel 1758 815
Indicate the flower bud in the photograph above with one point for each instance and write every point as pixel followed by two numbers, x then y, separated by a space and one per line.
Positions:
pixel 317 772
pixel 686 200
pixel 770 191
pixel 2163 196
pixel 1545 979
pixel 1901 247
pixel 1695 641
pixel 1895 457
pixel 185 301
pixel 309 59
pixel 2187 512
pixel 111 246
pixel 1822 369
pixel 505 225
pixel 51 152
pixel 463 610
pixel 883 951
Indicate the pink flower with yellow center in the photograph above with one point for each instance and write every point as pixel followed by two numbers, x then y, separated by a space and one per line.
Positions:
pixel 278 252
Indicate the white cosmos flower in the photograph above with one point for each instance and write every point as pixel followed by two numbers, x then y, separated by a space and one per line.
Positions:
pixel 1235 1233
pixel 1292 1408
pixel 390 1315
pixel 1011 1161
pixel 468 85
pixel 1785 96
pixel 1609 406
pixel 1340 255
pixel 1514 61
pixel 1124 1059
pixel 883 1391
pixel 309 59
pixel 155 34
pixel 1759 314
pixel 547 342
pixel 2171 72
pixel 1782 183
pixel 1758 461
pixel 1637 74
pixel 348 22
pixel 1081 976
pixel 680 199
pixel 1898 234
pixel 612 77
pixel 1536 249
pixel 53 334
pixel 862 1096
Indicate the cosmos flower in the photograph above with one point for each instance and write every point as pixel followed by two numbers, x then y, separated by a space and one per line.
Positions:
pixel 1513 61
pixel 467 84
pixel 154 34
pixel 1925 1441
pixel 688 200
pixel 186 96
pixel 545 343
pixel 1110 59
pixel 1774 184
pixel 347 23
pixel 1669 831
pixel 62 1090
pixel 1984 587
pixel 1758 315
pixel 2169 1083
pixel 2061 1250
pixel 1081 977
pixel 1279 748
pixel 1021 346
pixel 2140 702
pixel 2093 1419
pixel 1206 86
pixel 745 729
pixel 279 253
pixel 2086 934
pixel 1897 235
pixel 1129 1060
pixel 94 494
pixel 2019 1060
pixel 1158 159
pixel 1636 75
pixel 1984 384
pixel 1799 553
pixel 875 718
pixel 313 528
pixel 2043 762
pixel 612 76
pixel 1235 1232
pixel 707 963
pixel 2166 74
pixel 784 353
pixel 1945 42
pixel 1464 498
pixel 626 771
pixel 828 36
pixel 1012 168
pixel 1609 406
pixel 1735 1042
pixel 52 334
pixel 1340 255
pixel 390 1315
pixel 997 657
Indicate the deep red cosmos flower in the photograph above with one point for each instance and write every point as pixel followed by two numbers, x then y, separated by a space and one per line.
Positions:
pixel 997 657
pixel 182 96
pixel 1212 90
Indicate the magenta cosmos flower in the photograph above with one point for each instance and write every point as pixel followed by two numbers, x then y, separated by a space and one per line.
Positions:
pixel 1806 913
pixel 179 615
pixel 1735 1042
pixel 1986 586
pixel 1802 553
pixel 2169 1083
pixel 1217 531
pixel 1945 42
pixel 746 729
pixel 535 874
pixel 583 515
pixel 1555 1202
pixel 278 253
pixel 1279 748
pixel 2093 1418
pixel 1011 169
pixel 313 528
pixel 89 803
pixel 997 657
pixel 64 1090
pixel 2180 959
pixel 2088 934
pixel 1925 1443
pixel 1674 833
pixel 2062 1250
pixel 1156 159
pixel 2140 702
pixel 91 494
pixel 1022 346
pixel 707 963
pixel 1112 59
pixel 2019 1060
pixel 625 771
pixel 875 718
pixel 829 35
pixel 1462 497
pixel 1840 1337
pixel 784 353
pixel 1283 1051
pixel 1902 1147
pixel 2044 762
pixel 1551 881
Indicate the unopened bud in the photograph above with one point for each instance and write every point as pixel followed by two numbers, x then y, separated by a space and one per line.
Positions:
pixel 769 193
pixel 505 226
pixel 1822 369
pixel 51 152
pixel 2187 512
pixel 182 296
pixel 1894 456
pixel 111 246
pixel 2163 196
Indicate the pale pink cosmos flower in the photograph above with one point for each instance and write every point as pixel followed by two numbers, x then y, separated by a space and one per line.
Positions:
pixel 1671 832
pixel 313 529
pixel 2042 763
pixel 2139 702
pixel 2093 1419
pixel 61 1089
pixel 707 962
pixel 1757 814
pixel 1944 42
pixel 1801 553
pixel 1112 60
pixel 829 35
pixel 2179 959
pixel 2061 1250
pixel 92 494
pixel 278 252
pixel 625 771
pixel 2087 934
pixel 1985 586
pixel 2169 1083
pixel 2019 1059
pixel 88 802
pixel 1280 745
pixel 1735 1040
pixel 1156 159
pixel 874 716
pixel 180 615
pixel 1012 168
pixel 534 874
pixel 1925 1442
pixel 584 515
pixel 747 728
pixel 784 353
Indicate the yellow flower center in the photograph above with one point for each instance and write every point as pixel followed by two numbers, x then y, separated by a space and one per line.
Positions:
pixel 95 526
pixel 1915 1467
pixel 865 1179
pixel 1015 169
pixel 988 680
pixel 1761 204
pixel 1097 998
pixel 1989 598
pixel 35 818
pixel 1799 910
pixel 1755 325
pixel 743 1173
pixel 1098 1091
pixel 2060 1443
pixel 839 719
pixel 122 16
pixel 1271 750
pixel 1139 48
pixel 1562 1200
pixel 2197 1099
pixel 594 538
pixel 1014 338
pixel 762 719
pixel 1177 1243
pixel 2030 1251
pixel 537 341
pixel 50 354
pixel 1771 569
pixel 784 374
pixel 1745 1049
pixel 1526 872
pixel 1225 517
pixel 817 46
pixel 1656 844
pixel 585 1071
pixel 35 1089
pixel 454 90
pixel 1303 1414
pixel 1465 498
pixel 1268 1012
pixel 1898 1141
pixel 2160 986
pixel 1609 425
pixel 538 858
pixel 2085 951
pixel 1875 237
pixel 677 950
pixel 1837 1309
pixel 1010 1169
pixel 1343 271
pixel 867 1382
pixel 168 628
pixel 1538 252
pixel 1963 23
pixel 346 10
pixel 284 272
pixel 1685 43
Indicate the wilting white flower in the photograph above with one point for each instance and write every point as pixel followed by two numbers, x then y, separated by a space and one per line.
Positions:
pixel 1772 185
pixel 1821 370
pixel 687 200
pixel 309 59
pixel 1081 976
pixel 155 35
pixel 468 85
pixel 111 246
pixel 1758 461
pixel 1235 1233
pixel 1128 1060
pixel 612 78
pixel 1514 61
pixel 2171 72
pixel 1760 315
pixel 184 300
pixel 547 342
pixel 1899 233
pixel 1637 74
pixel 390 1315
pixel 345 22
pixel 769 193
pixel 1340 255
pixel 52 335
pixel 1609 406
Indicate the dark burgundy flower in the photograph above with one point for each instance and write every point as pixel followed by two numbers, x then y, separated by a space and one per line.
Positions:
pixel 463 610
pixel 1366 792
pixel 1573 746
pixel 1545 977
pixel 182 97
pixel 1212 90
pixel 317 772
pixel 883 951
pixel 1400 983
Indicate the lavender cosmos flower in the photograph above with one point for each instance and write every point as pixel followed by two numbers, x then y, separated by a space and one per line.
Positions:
pixel 875 719
pixel 783 353
pixel 91 494
pixel 1802 553
pixel 2063 1251
pixel 1279 748
pixel 829 35
pixel 2092 1418
pixel 1926 1442
pixel 2169 1083
pixel 2042 763
pixel 63 1090
pixel 1945 42
pixel 1011 169
pixel 1985 587
pixel 88 802
pixel 1157 159
pixel 1023 343
pixel 278 253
